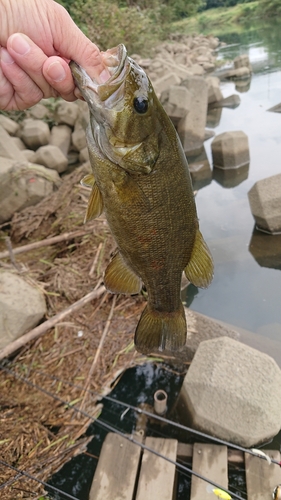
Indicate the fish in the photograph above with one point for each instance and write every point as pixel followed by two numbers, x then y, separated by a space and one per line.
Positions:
pixel 140 180
pixel 218 492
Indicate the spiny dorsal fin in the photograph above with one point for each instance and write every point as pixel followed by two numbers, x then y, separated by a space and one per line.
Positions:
pixel 95 204
pixel 119 277
pixel 200 269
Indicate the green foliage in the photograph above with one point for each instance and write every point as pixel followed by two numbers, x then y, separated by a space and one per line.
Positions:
pixel 270 8
pixel 107 24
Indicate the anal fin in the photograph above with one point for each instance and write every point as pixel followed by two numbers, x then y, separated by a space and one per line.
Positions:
pixel 119 277
pixel 200 269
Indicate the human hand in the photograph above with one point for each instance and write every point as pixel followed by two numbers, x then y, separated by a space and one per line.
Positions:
pixel 37 40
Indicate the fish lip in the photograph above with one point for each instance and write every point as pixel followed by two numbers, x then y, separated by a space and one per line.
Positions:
pixel 88 85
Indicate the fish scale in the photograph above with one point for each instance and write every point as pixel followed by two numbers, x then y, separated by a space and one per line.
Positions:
pixel 141 180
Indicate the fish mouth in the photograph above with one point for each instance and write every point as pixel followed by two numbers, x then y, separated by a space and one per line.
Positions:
pixel 114 60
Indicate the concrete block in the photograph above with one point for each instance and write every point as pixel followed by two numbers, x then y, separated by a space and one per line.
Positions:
pixel 66 113
pixel 177 103
pixel 35 133
pixel 165 82
pixel 23 184
pixel 242 61
pixel 266 250
pixel 22 306
pixel 233 392
pixel 39 111
pixel 214 91
pixel 199 167
pixel 79 138
pixel 8 148
pixel 84 155
pixel 265 202
pixel 191 128
pixel 19 144
pixel 28 154
pixel 61 137
pixel 238 73
pixel 232 102
pixel 9 125
pixel 230 150
pixel 51 157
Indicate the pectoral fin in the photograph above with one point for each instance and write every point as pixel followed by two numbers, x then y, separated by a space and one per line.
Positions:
pixel 88 180
pixel 119 278
pixel 95 204
pixel 200 269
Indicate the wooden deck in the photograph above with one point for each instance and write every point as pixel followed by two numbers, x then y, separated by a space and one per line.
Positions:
pixel 126 472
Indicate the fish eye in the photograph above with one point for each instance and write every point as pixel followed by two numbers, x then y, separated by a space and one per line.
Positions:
pixel 140 105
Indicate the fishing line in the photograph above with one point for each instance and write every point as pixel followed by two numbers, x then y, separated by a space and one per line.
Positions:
pixel 161 419
pixel 110 428
pixel 29 476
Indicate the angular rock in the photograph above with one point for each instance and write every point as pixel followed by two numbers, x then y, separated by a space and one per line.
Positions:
pixel 66 113
pixel 214 91
pixel 61 137
pixel 165 82
pixel 9 125
pixel 22 306
pixel 238 73
pixel 199 167
pixel 232 101
pixel 35 133
pixel 242 61
pixel 28 154
pixel 233 392
pixel 266 250
pixel 19 143
pixel 8 148
pixel 84 155
pixel 39 111
pixel 177 102
pixel 276 108
pixel 23 184
pixel 265 202
pixel 230 150
pixel 51 157
pixel 191 128
pixel 79 138
pixel 231 177
pixel 213 117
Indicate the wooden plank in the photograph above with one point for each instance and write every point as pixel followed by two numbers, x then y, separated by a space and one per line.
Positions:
pixel 262 477
pixel 157 476
pixel 185 452
pixel 209 460
pixel 116 470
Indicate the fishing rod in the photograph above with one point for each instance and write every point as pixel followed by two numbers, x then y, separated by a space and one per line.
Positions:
pixel 251 451
pixel 110 428
pixel 29 476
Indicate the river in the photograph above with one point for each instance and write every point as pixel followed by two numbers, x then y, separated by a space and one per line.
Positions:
pixel 246 290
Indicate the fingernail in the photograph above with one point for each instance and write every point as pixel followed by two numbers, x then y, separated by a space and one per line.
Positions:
pixel 56 72
pixel 5 56
pixel 19 44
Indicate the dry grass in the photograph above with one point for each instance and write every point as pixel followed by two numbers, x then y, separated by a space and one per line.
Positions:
pixel 38 434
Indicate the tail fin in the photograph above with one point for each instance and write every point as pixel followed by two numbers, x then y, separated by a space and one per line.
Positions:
pixel 160 331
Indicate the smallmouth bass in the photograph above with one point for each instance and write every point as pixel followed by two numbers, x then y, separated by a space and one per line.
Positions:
pixel 141 181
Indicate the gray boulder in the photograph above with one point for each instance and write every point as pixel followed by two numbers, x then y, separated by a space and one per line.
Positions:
pixel 191 128
pixel 233 392
pixel 35 133
pixel 66 113
pixel 22 306
pixel 23 184
pixel 61 137
pixel 265 202
pixel 230 150
pixel 8 148
pixel 51 157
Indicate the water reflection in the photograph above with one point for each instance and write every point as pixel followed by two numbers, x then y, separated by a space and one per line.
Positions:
pixel 246 289
pixel 231 177
pixel 199 167
pixel 266 249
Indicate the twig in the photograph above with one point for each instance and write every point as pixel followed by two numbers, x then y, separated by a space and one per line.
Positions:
pixel 11 253
pixel 44 243
pixel 104 333
pixel 95 260
pixel 39 330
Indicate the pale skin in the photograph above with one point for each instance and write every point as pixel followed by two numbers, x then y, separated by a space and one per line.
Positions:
pixel 37 40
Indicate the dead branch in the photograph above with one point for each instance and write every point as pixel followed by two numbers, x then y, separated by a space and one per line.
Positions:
pixel 39 330
pixel 44 243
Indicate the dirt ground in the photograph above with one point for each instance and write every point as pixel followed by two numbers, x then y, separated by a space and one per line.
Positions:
pixel 38 434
